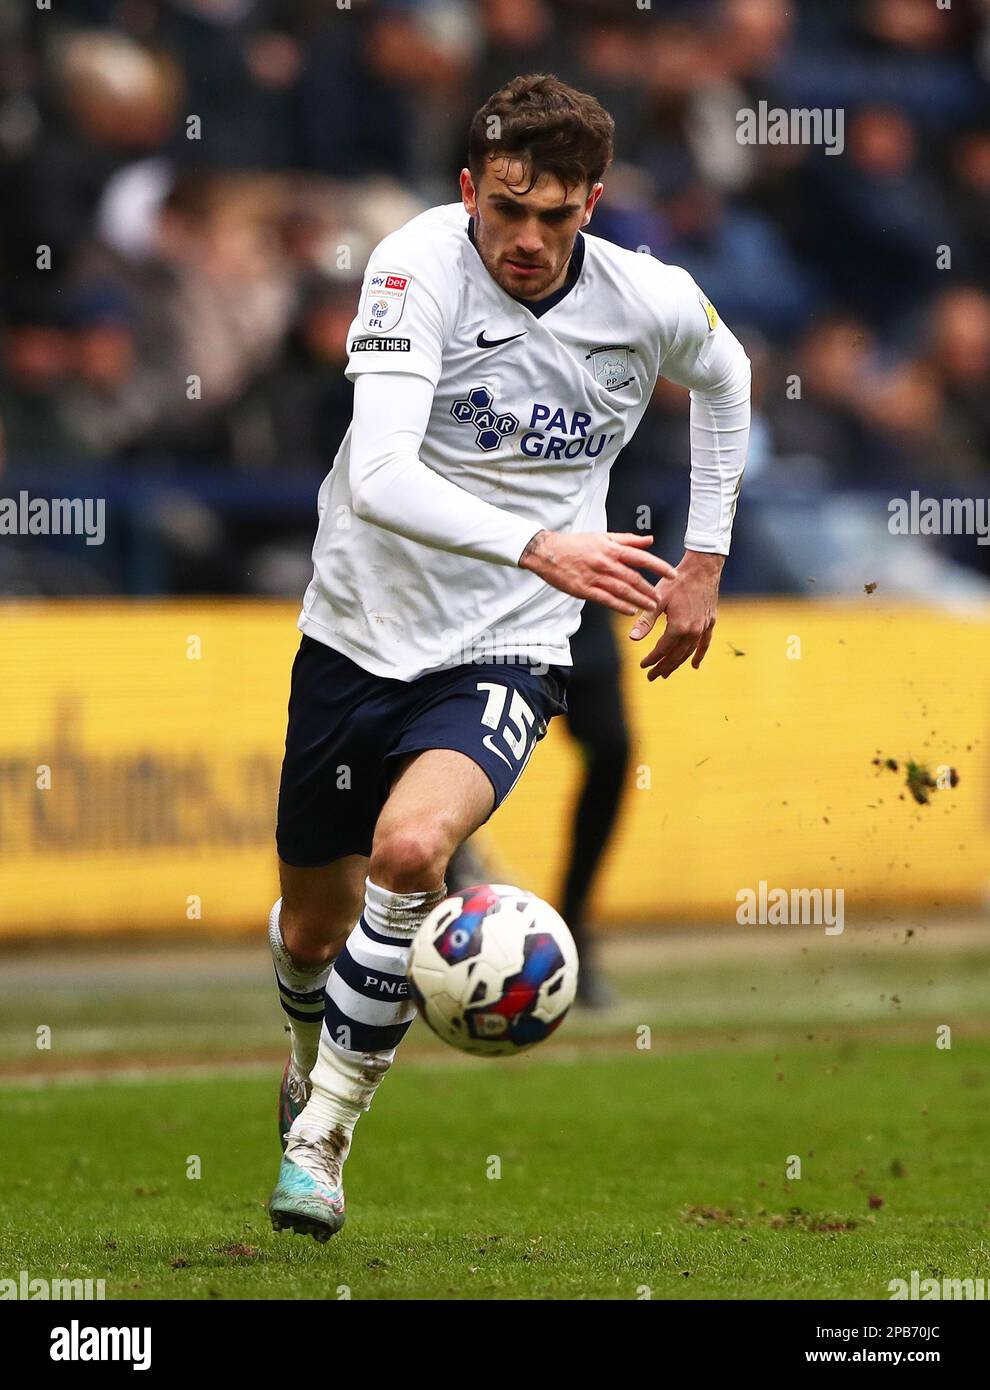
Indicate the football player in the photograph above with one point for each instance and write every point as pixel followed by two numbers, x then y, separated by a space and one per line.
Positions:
pixel 501 357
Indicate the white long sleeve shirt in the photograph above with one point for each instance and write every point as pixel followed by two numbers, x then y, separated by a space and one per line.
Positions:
pixel 478 423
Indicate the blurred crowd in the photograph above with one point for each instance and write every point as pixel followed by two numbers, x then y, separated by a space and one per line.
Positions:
pixel 190 190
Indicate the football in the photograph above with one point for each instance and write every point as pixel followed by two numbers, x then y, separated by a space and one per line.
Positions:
pixel 493 969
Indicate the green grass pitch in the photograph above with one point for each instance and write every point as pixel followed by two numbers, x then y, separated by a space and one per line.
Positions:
pixel 625 1172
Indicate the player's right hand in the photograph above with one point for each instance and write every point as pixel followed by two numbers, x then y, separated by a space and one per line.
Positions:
pixel 598 565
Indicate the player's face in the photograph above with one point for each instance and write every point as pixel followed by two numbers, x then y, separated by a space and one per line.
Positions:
pixel 525 239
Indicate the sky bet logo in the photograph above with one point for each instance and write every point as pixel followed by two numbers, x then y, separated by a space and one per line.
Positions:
pixel 558 437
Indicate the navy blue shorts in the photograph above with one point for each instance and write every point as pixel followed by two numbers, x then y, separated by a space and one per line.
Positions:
pixel 347 727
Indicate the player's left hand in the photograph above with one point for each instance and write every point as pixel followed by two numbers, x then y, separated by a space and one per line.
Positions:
pixel 690 602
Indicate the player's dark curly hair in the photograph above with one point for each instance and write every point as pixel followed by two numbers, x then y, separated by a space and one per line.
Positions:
pixel 551 127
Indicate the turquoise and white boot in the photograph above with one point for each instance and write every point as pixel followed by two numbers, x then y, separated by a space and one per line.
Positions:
pixel 309 1196
pixel 293 1094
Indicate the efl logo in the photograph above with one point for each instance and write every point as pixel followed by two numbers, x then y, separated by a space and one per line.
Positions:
pixel 384 301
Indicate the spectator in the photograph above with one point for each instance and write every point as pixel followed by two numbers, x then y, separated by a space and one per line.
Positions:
pixel 180 305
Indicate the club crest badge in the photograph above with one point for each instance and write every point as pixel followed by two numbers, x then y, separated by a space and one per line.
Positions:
pixel 610 364
pixel 384 300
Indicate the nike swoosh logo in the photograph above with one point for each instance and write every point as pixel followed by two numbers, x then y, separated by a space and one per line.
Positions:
pixel 484 342
pixel 487 740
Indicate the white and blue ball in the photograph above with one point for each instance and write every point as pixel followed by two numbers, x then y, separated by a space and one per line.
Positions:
pixel 493 969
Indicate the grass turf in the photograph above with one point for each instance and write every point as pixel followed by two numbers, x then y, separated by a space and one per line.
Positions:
pixel 622 1171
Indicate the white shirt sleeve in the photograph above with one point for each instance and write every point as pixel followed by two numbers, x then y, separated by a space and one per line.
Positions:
pixel 403 319
pixel 706 357
pixel 394 489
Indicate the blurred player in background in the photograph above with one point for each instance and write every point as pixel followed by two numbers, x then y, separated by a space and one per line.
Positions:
pixel 500 360
pixel 596 719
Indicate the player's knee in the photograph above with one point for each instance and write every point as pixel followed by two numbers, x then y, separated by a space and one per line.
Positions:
pixel 312 935
pixel 410 859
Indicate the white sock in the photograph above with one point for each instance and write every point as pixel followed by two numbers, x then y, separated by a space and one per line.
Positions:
pixel 300 992
pixel 368 1010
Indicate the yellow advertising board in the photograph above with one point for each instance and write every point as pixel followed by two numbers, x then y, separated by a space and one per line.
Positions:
pixel 140 745
pixel 760 767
